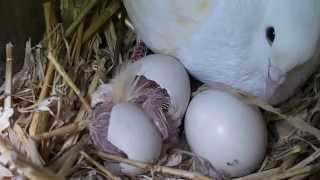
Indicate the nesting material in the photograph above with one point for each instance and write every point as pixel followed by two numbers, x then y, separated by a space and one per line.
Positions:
pixel 48 136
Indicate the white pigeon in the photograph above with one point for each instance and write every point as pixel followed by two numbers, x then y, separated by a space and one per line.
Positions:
pixel 251 45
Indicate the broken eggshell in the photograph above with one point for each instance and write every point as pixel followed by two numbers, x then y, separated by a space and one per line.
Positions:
pixel 171 75
pixel 133 132
pixel 124 129
pixel 227 132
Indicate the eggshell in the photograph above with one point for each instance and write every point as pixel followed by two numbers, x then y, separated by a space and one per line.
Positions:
pixel 170 74
pixel 133 132
pixel 229 133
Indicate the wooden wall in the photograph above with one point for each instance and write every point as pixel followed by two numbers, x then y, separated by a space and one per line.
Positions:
pixel 19 20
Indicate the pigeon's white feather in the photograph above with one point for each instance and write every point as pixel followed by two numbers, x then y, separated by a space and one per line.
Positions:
pixel 225 41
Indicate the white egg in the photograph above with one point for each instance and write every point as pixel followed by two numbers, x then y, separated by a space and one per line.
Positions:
pixel 133 132
pixel 170 74
pixel 229 133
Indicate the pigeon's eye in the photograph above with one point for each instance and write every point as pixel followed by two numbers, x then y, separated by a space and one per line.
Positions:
pixel 270 35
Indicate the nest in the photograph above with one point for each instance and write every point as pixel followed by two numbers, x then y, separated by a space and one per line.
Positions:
pixel 46 107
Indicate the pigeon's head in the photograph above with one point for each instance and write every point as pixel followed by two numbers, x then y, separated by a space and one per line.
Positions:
pixel 287 38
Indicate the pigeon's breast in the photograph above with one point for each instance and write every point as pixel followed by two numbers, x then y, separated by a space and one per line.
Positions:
pixel 165 25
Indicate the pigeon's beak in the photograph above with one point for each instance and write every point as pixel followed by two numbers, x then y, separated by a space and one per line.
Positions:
pixel 275 78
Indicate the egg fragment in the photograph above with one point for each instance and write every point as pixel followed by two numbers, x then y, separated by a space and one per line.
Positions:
pixel 229 133
pixel 124 129
pixel 133 132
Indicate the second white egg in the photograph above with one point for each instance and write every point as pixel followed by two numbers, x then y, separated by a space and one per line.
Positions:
pixel 229 133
